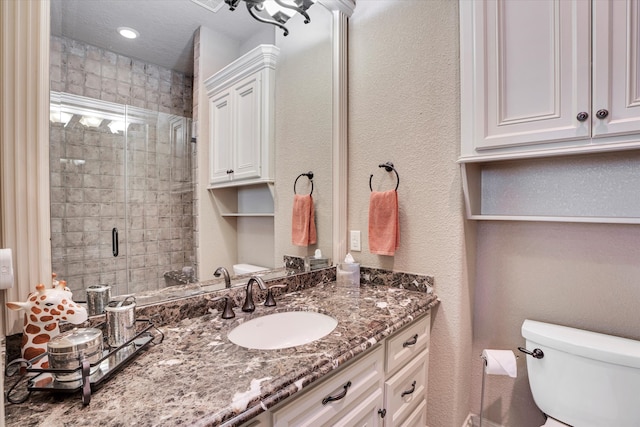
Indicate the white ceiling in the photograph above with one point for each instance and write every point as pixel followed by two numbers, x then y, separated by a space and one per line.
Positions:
pixel 166 27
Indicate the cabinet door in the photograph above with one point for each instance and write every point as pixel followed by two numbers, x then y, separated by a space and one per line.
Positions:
pixel 220 157
pixel 531 71
pixel 616 67
pixel 247 128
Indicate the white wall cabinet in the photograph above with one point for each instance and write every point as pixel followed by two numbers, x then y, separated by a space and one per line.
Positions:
pixel 387 387
pixel 550 91
pixel 616 67
pixel 528 86
pixel 241 116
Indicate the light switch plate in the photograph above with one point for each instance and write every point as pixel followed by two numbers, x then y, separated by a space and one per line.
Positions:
pixel 354 240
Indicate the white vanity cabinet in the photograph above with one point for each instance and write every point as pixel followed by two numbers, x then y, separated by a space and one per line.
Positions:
pixel 387 386
pixel 241 120
pixel 406 373
pixel 541 77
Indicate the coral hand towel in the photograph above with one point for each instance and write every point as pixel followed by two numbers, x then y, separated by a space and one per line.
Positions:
pixel 384 227
pixel 303 223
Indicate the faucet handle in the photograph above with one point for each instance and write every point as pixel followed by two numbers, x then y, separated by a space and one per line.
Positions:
pixel 227 312
pixel 270 301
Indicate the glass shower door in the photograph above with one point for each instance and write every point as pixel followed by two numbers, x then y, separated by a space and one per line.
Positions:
pixel 87 174
pixel 121 195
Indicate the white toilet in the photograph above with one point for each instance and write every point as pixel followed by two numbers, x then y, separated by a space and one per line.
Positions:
pixel 239 269
pixel 584 379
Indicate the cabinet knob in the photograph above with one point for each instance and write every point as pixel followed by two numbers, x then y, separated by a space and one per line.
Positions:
pixel 382 412
pixel 582 116
pixel 601 114
pixel 229 171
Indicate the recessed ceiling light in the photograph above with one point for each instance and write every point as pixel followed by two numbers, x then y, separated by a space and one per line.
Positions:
pixel 127 32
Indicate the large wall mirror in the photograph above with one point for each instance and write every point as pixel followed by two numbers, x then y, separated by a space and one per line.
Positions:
pixel 128 202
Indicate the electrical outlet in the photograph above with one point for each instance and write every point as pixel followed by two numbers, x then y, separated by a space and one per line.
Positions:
pixel 354 240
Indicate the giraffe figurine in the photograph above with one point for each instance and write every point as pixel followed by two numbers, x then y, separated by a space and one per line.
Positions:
pixel 43 310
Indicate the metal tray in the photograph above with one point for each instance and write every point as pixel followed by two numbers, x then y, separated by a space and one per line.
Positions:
pixel 92 374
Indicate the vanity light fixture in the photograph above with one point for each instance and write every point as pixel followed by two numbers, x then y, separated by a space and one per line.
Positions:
pixel 91 121
pixel 275 12
pixel 128 33
pixel 56 115
pixel 117 126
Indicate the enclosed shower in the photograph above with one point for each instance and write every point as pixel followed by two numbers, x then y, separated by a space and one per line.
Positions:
pixel 121 194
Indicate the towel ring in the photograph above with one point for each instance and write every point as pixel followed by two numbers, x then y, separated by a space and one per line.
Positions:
pixel 389 167
pixel 308 175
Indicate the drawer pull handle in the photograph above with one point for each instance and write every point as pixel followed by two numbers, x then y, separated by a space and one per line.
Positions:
pixel 411 341
pixel 338 397
pixel 410 391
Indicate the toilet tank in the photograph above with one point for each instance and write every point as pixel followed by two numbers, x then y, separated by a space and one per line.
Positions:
pixel 239 269
pixel 585 379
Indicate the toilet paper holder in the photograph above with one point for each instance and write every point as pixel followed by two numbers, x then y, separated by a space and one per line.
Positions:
pixel 485 364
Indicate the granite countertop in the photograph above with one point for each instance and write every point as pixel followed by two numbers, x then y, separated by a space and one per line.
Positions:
pixel 196 376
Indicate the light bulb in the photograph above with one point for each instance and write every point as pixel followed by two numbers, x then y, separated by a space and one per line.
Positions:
pixel 117 126
pixel 58 116
pixel 273 8
pixel 92 122
pixel 128 33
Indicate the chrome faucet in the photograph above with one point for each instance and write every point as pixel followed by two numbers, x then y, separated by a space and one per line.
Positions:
pixel 248 305
pixel 225 273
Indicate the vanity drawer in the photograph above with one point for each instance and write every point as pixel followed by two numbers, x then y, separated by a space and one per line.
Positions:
pixel 366 378
pixel 407 343
pixel 405 390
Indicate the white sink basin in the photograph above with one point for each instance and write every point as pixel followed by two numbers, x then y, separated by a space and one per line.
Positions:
pixel 282 330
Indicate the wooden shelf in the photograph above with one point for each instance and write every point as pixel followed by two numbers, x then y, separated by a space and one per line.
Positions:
pixel 254 215
pixel 251 201
pixel 588 188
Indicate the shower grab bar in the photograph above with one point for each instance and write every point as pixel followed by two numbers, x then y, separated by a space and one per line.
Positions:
pixel 114 241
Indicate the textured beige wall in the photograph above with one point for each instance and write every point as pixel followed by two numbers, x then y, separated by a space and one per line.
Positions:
pixel 404 108
pixel 580 275
pixel 303 128
pixel 215 235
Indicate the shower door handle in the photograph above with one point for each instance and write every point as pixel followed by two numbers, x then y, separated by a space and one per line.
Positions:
pixel 114 241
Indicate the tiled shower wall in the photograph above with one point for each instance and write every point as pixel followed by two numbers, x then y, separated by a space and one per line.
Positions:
pixel 156 224
pixel 82 69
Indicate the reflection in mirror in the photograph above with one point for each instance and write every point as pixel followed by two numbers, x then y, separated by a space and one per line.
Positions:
pixel 121 193
pixel 124 172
